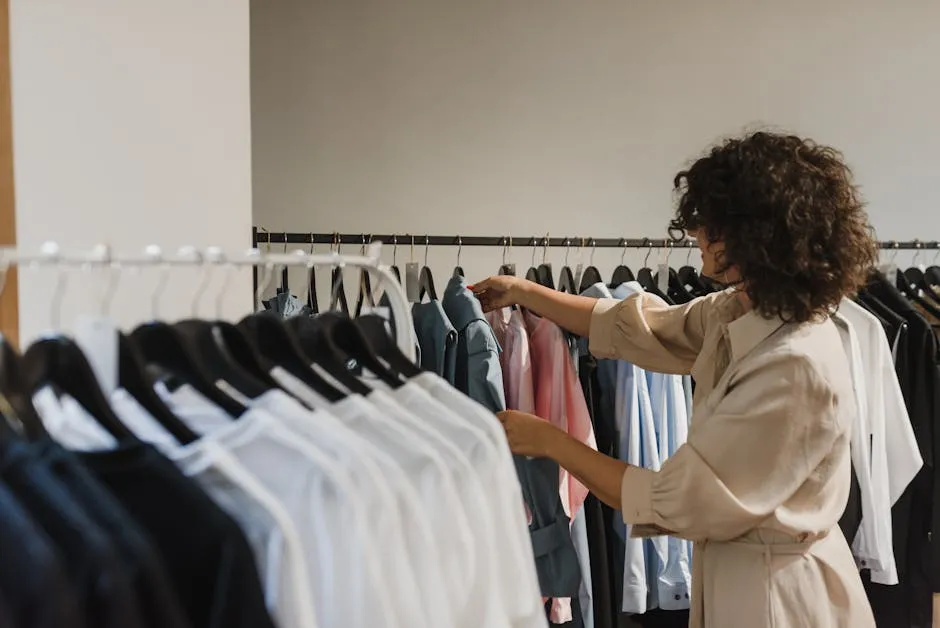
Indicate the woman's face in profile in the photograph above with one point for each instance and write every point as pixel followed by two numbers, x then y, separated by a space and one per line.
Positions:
pixel 711 252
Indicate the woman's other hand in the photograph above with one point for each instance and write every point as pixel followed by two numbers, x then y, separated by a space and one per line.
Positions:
pixel 499 292
pixel 528 435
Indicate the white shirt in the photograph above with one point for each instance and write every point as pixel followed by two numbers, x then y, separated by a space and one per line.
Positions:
pixel 417 600
pixel 429 473
pixel 895 456
pixel 483 458
pixel 263 518
pixel 523 589
pixel 323 502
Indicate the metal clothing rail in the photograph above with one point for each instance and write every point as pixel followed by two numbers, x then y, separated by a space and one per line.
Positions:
pixel 262 236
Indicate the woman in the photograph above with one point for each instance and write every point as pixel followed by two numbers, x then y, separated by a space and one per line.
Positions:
pixel 764 476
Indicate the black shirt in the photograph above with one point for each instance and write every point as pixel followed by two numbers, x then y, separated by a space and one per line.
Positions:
pixel 156 596
pixel 206 553
pixel 33 582
pixel 93 565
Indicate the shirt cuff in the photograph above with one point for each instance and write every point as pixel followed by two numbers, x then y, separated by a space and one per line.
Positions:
pixel 603 322
pixel 636 495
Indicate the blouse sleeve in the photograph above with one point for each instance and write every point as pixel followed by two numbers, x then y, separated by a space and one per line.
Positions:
pixel 646 331
pixel 765 439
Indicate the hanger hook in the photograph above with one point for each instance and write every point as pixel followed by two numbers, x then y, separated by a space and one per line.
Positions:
pixel 646 260
pixel 193 255
pixel 215 256
pixel 918 250
pixel 267 274
pixel 459 249
pixel 623 253
pixel 894 255
pixel 427 243
pixel 669 245
pixel 412 259
pixel 394 250
pixel 545 244
pixel 593 250
pixel 936 256
pixel 567 249
pixel 50 253
pixel 507 244
pixel 114 277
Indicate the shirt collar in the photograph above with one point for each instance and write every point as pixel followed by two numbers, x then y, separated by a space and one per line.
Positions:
pixel 749 330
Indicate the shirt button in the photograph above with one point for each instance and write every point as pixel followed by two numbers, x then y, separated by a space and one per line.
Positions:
pixel 678 597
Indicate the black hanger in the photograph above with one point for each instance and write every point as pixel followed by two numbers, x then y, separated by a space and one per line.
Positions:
pixel 177 356
pixel 912 291
pixel 346 340
pixel 622 274
pixel 217 343
pixel 507 268
pixel 426 278
pixel 324 354
pixel 590 277
pixel 458 269
pixel 60 363
pixel 374 330
pixel 312 285
pixel 277 342
pixel 676 290
pixel 566 281
pixel 17 393
pixel 932 276
pixel 694 283
pixel 426 284
pixel 134 378
pixel 338 290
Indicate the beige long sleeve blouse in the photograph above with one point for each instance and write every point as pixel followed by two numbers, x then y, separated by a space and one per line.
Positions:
pixel 764 476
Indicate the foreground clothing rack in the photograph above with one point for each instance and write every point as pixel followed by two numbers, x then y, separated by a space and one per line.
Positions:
pixel 262 236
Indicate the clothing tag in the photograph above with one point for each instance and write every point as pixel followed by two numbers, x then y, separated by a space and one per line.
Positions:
pixel 411 282
pixel 98 339
pixel 663 278
pixel 230 390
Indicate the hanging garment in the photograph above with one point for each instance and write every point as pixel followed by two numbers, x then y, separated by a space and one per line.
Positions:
pixel 914 521
pixel 477 373
pixel 262 517
pixel 556 560
pixel 32 577
pixel 323 502
pixel 152 588
pixel 205 551
pixel 437 339
pixel 524 589
pixel 92 562
pixel 426 469
pixel 886 432
pixel 740 479
pixel 558 398
pixel 669 422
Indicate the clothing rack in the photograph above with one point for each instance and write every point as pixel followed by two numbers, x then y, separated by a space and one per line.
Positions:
pixel 51 256
pixel 262 236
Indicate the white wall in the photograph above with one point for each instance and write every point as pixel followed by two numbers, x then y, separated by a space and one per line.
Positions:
pixel 131 126
pixel 534 116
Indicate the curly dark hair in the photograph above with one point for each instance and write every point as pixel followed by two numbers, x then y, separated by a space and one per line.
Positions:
pixel 791 219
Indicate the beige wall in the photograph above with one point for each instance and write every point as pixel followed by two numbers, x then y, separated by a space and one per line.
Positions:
pixel 489 117
pixel 131 126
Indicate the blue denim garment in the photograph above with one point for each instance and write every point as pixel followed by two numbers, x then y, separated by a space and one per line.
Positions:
pixel 437 339
pixel 477 372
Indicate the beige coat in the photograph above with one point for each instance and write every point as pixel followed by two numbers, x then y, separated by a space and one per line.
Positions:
pixel 764 477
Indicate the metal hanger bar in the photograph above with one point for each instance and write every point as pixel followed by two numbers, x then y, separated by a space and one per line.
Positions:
pixel 264 237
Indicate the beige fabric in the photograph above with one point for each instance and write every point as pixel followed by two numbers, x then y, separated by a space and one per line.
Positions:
pixel 764 477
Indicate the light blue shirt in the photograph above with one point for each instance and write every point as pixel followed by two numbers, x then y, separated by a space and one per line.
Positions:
pixel 663 416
